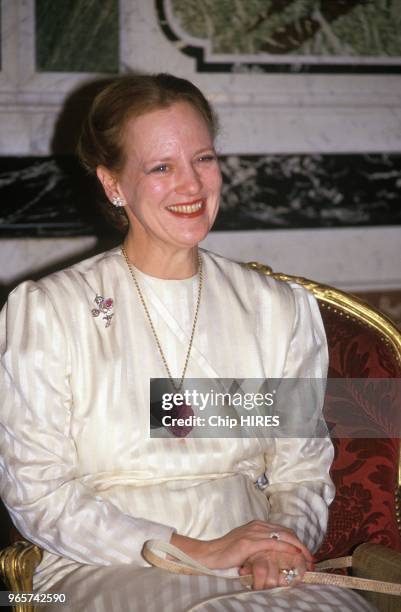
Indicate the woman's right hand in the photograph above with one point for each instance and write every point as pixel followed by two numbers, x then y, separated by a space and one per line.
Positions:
pixel 235 547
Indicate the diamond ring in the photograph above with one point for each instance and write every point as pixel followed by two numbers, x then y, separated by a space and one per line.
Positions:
pixel 274 535
pixel 289 574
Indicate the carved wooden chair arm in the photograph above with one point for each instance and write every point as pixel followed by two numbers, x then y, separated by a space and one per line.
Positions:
pixel 17 565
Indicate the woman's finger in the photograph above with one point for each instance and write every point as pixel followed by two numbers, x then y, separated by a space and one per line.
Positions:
pixel 265 574
pixel 292 570
pixel 230 554
pixel 280 534
pixel 234 548
pixel 277 532
pixel 274 569
pixel 268 545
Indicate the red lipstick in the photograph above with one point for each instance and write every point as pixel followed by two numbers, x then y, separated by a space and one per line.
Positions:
pixel 182 210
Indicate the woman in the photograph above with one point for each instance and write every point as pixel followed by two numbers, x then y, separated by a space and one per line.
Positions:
pixel 80 475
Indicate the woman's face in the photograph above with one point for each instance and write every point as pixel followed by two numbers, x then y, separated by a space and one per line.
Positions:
pixel 171 179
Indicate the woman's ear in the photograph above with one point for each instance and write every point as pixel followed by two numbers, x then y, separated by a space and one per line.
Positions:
pixel 109 182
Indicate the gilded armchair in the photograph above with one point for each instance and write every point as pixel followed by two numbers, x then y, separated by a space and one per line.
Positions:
pixel 366 513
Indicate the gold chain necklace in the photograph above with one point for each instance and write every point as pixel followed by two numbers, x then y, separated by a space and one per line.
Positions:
pixel 152 327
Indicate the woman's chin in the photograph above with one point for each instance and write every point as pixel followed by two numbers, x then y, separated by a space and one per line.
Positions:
pixel 192 236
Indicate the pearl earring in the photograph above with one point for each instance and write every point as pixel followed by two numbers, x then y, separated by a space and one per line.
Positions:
pixel 117 201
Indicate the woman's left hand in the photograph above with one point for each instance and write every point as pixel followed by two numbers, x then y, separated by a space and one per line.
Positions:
pixel 267 569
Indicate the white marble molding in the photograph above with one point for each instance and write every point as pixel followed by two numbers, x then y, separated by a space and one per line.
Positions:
pixel 353 259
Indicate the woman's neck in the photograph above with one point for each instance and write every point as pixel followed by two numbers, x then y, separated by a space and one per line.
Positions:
pixel 162 262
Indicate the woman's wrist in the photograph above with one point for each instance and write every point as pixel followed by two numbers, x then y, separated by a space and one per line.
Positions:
pixel 197 549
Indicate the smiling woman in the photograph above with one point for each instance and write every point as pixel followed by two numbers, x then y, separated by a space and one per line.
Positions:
pixel 81 474
pixel 170 183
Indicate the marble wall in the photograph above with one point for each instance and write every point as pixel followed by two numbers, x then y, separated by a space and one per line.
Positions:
pixel 310 137
pixel 62 41
pixel 52 196
pixel 275 112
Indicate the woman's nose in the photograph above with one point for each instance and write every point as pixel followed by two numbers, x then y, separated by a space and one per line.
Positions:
pixel 188 181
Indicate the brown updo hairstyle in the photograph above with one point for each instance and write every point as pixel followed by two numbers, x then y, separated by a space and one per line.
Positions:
pixel 102 138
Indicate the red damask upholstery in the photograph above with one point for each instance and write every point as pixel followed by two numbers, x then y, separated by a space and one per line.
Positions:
pixel 365 470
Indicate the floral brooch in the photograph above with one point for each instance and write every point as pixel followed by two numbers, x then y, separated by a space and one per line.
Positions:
pixel 105 307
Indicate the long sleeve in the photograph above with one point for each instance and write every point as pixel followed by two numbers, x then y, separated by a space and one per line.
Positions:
pixel 300 489
pixel 38 457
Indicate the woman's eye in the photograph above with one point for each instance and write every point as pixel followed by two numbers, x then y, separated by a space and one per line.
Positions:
pixel 207 158
pixel 161 169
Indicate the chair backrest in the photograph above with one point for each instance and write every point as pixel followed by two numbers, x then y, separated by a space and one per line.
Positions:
pixel 363 343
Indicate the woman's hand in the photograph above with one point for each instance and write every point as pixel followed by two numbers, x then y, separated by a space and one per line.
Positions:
pixel 267 569
pixel 240 545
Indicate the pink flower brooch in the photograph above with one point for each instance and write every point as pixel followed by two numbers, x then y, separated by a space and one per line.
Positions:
pixel 105 307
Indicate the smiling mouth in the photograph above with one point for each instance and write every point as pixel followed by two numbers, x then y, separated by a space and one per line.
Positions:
pixel 189 210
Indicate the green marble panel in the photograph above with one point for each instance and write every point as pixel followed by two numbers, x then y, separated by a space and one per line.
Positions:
pixel 295 27
pixel 77 35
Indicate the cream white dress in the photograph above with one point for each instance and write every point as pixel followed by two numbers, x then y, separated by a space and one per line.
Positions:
pixel 82 478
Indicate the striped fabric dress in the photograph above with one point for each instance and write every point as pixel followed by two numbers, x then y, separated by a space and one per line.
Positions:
pixel 82 478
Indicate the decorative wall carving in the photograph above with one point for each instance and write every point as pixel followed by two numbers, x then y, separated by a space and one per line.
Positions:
pixel 314 36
